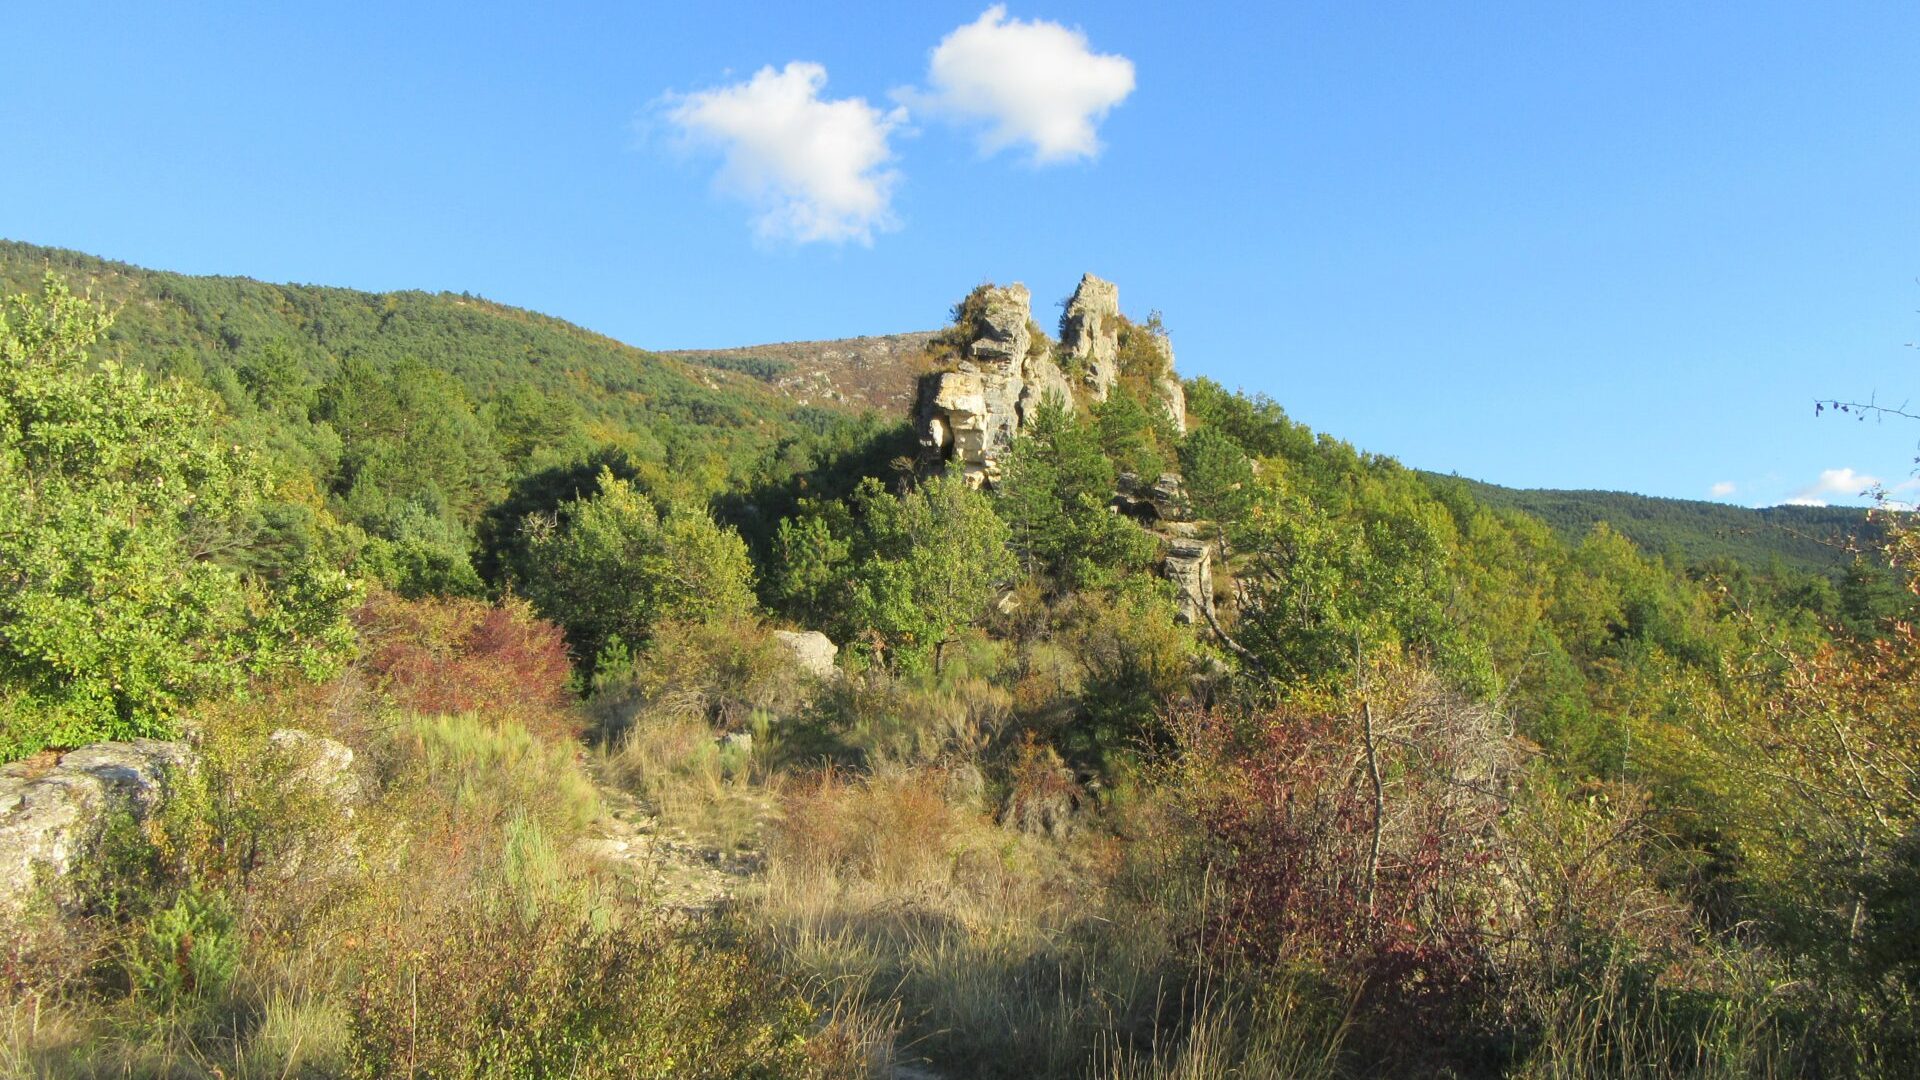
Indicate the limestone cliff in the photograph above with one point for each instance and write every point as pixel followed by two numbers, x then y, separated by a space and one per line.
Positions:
pixel 1089 334
pixel 999 367
pixel 996 367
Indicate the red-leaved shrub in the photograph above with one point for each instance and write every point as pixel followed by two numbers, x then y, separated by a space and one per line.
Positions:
pixel 500 661
pixel 1369 865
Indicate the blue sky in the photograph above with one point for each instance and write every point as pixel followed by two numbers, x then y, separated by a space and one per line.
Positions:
pixel 1614 245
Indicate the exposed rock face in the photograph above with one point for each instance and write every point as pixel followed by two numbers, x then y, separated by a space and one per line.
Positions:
pixel 50 820
pixel 1090 333
pixel 1173 393
pixel 1157 505
pixel 1003 370
pixel 319 765
pixel 1189 565
pixel 811 651
pixel 971 414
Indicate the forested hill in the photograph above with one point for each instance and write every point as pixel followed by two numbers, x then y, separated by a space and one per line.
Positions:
pixel 540 390
pixel 238 335
pixel 1809 538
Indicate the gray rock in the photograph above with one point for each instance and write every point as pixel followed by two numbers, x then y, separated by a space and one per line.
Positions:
pixel 970 415
pixel 1090 333
pixel 1001 332
pixel 1189 565
pixel 811 651
pixel 49 822
pixel 1002 370
pixel 1173 393
pixel 318 764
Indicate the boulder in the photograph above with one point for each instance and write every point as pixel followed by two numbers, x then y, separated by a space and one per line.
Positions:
pixel 318 764
pixel 49 820
pixel 811 651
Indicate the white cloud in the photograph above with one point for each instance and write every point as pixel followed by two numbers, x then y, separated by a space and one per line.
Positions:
pixel 1034 83
pixel 816 169
pixel 1723 489
pixel 1842 483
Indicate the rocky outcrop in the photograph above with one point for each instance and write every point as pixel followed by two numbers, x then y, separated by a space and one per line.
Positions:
pixel 1173 393
pixel 1163 501
pixel 1189 565
pixel 51 817
pixel 1000 373
pixel 999 369
pixel 811 651
pixel 1090 334
pixel 53 814
pixel 1090 344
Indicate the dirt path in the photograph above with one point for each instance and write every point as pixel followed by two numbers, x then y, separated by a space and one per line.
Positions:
pixel 685 876
pixel 688 878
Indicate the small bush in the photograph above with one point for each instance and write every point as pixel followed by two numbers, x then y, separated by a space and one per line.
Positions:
pixel 465 656
pixel 492 996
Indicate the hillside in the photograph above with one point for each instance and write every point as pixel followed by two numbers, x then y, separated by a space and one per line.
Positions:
pixel 508 654
pixel 1814 539
pixel 880 372
pixel 210 328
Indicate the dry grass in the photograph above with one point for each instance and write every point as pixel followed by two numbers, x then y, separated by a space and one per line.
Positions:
pixel 447 921
pixel 996 953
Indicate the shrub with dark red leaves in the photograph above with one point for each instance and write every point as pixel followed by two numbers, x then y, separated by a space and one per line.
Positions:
pixel 1386 889
pixel 457 656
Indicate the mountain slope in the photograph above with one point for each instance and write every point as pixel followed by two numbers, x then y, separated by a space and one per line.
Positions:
pixel 731 405
pixel 210 328
pixel 881 372
pixel 1808 538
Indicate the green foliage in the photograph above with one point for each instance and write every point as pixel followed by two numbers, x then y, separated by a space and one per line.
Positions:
pixel 1218 476
pixel 121 506
pixel 1054 496
pixel 1133 439
pixel 185 954
pixel 616 567
pixel 1808 539
pixel 898 576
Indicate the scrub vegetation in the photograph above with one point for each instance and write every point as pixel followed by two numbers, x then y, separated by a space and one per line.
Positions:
pixel 1440 787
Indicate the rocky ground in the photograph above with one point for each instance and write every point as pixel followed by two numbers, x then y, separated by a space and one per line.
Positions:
pixel 686 877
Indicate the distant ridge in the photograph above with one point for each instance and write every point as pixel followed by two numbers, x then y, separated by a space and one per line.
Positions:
pixel 879 372
pixel 1807 538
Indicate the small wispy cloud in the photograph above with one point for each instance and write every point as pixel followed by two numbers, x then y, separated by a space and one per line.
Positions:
pixel 815 169
pixel 1833 483
pixel 1723 489
pixel 1036 84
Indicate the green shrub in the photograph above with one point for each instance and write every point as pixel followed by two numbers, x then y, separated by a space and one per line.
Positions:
pixel 115 493
pixel 506 997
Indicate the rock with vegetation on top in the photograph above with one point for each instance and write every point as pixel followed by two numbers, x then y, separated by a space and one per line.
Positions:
pixel 970 414
pixel 51 817
pixel 54 813
pixel 1089 334
pixel 810 650
pixel 1189 565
